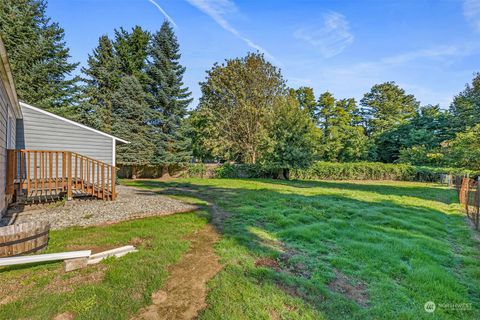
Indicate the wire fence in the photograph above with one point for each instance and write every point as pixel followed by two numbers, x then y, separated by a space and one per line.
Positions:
pixel 468 195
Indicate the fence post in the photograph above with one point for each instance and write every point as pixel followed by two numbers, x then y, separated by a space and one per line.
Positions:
pixel 477 205
pixel 467 194
pixel 69 175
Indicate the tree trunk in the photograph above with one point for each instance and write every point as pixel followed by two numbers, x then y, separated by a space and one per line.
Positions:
pixel 165 172
pixel 134 172
pixel 283 174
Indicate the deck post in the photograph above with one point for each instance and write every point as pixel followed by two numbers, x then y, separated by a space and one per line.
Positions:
pixel 69 175
pixel 113 176
pixel 11 170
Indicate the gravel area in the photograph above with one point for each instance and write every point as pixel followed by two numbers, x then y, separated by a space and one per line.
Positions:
pixel 131 203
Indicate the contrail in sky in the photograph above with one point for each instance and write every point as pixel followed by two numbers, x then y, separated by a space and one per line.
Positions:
pixel 218 10
pixel 164 13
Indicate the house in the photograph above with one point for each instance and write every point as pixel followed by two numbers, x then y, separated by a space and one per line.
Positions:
pixel 45 157
pixel 42 130
pixel 9 112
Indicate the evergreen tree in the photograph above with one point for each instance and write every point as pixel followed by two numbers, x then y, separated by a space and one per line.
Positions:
pixel 424 133
pixel 38 56
pixel 343 139
pixel 103 76
pixel 131 49
pixel 386 106
pixel 168 99
pixel 465 108
pixel 326 110
pixel 130 112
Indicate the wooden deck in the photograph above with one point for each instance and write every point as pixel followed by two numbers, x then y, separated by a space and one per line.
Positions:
pixel 43 176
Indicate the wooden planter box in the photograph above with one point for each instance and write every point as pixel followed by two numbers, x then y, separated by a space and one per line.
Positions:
pixel 23 238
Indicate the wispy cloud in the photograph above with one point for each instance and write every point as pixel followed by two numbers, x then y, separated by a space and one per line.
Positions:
pixel 438 52
pixel 471 11
pixel 218 10
pixel 423 63
pixel 330 39
pixel 441 55
pixel 165 14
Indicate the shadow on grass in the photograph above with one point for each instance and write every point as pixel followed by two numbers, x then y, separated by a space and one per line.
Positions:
pixel 386 245
pixel 434 193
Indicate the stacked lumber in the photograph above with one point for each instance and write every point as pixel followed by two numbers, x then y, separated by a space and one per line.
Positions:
pixel 72 260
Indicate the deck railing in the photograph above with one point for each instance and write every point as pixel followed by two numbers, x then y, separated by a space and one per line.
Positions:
pixel 47 173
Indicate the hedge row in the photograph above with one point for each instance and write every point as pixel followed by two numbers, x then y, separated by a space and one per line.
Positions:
pixel 373 171
pixel 330 171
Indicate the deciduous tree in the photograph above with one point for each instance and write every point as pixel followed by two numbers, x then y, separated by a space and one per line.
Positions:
pixel 238 96
pixel 292 138
pixel 464 149
pixel 306 99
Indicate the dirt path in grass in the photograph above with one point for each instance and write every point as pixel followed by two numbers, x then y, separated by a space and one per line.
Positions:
pixel 183 295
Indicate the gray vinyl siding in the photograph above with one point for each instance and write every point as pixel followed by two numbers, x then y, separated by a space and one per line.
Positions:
pixel 40 131
pixel 6 111
pixel 3 147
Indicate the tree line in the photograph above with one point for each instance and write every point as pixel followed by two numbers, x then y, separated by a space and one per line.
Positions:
pixel 132 86
pixel 248 114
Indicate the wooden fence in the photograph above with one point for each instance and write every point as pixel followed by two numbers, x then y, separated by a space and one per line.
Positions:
pixel 469 196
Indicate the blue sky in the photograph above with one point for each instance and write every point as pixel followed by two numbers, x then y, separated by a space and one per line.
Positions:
pixel 430 48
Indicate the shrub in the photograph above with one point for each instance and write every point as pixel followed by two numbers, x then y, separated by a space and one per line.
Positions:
pixel 199 170
pixel 244 171
pixel 355 171
pixel 329 171
pixel 196 170
pixel 373 171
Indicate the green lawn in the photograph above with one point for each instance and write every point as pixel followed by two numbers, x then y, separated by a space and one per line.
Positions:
pixel 290 250
pixel 113 289
pixel 375 250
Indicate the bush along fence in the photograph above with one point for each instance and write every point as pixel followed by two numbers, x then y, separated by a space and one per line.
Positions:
pixel 317 171
pixel 469 197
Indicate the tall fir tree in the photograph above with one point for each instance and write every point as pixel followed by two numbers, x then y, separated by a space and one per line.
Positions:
pixel 38 56
pixel 130 112
pixel 101 82
pixel 168 99
pixel 131 49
